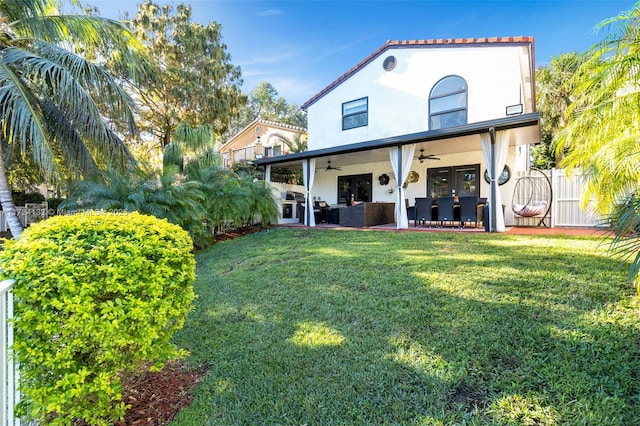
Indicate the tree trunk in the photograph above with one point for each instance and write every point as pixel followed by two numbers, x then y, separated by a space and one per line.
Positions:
pixel 6 201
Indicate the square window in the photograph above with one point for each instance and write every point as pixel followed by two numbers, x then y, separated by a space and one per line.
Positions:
pixel 355 113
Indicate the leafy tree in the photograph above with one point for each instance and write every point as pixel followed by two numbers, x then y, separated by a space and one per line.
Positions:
pixel 194 83
pixel 602 135
pixel 554 93
pixel 48 91
pixel 266 103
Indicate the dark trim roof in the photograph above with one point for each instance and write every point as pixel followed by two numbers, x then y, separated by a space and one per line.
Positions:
pixel 511 122
pixel 440 42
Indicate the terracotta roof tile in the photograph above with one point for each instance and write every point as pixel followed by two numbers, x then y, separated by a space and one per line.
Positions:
pixel 403 43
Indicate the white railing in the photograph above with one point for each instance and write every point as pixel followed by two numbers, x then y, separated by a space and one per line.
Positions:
pixel 9 372
pixel 28 214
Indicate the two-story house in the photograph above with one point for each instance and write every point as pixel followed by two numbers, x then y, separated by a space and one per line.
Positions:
pixel 423 118
pixel 259 139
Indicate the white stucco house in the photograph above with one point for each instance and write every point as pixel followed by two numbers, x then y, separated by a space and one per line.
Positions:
pixel 443 117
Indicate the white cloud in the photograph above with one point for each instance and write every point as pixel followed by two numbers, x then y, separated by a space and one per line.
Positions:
pixel 270 12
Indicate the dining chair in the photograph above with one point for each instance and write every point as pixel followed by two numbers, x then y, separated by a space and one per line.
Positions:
pixel 445 209
pixel 423 210
pixel 468 210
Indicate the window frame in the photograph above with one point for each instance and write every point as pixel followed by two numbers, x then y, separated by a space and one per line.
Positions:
pixel 365 113
pixel 450 111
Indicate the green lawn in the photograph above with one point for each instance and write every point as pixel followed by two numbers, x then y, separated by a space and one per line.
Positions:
pixel 324 327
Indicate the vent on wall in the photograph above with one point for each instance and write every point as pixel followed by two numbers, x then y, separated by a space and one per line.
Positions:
pixel 389 63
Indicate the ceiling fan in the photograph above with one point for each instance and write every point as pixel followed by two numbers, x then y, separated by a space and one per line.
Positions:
pixel 426 157
pixel 330 167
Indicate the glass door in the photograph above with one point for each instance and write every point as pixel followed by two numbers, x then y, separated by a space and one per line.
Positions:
pixel 466 181
pixel 354 188
pixel 453 181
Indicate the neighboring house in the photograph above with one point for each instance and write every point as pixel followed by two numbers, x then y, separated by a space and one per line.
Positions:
pixel 440 114
pixel 260 139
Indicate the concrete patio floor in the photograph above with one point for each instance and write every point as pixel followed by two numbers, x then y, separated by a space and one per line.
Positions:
pixel 540 230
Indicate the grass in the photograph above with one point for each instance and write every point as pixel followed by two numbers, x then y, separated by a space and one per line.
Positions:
pixel 331 327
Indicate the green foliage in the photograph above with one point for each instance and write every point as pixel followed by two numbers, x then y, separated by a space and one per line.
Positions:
pixel 625 222
pixel 203 199
pixel 602 135
pixel 194 82
pixel 20 198
pixel 554 94
pixel 58 107
pixel 231 200
pixel 97 295
pixel 267 104
pixel 138 190
pixel 54 203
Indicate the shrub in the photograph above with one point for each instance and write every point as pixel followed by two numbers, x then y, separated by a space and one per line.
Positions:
pixel 96 297
pixel 53 204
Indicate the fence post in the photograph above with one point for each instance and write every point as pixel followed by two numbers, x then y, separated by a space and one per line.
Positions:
pixel 554 198
pixel 9 372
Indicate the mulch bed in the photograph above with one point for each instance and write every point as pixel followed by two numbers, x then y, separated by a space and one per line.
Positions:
pixel 157 397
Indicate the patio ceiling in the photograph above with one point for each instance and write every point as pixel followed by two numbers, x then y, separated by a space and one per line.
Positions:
pixel 437 142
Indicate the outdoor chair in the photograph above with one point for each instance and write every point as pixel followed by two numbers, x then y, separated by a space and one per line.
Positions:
pixel 411 210
pixel 322 208
pixel 445 209
pixel 468 210
pixel 423 210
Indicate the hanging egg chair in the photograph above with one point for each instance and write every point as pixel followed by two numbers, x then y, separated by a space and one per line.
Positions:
pixel 532 195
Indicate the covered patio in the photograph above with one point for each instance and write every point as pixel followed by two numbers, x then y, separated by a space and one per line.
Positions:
pixel 492 142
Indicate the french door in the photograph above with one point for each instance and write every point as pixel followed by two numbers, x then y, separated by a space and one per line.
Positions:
pixel 458 181
pixel 354 188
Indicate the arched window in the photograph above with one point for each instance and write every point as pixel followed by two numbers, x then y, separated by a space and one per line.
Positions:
pixel 448 103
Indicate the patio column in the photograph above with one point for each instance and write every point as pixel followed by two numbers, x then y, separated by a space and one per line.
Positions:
pixel 308 173
pixel 495 146
pixel 401 158
pixel 267 173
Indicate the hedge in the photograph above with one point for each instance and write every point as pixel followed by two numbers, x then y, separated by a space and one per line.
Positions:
pixel 96 296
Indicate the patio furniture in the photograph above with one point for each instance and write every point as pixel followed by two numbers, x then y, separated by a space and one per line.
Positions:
pixel 532 195
pixel 468 210
pixel 424 210
pixel 367 214
pixel 323 207
pixel 445 209
pixel 411 210
pixel 301 212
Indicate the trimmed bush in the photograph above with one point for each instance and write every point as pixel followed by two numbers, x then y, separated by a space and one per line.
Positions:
pixel 97 295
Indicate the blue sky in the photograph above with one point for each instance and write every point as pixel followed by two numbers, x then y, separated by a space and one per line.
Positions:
pixel 302 46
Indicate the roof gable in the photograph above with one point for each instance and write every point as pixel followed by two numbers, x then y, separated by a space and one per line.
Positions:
pixel 271 124
pixel 483 41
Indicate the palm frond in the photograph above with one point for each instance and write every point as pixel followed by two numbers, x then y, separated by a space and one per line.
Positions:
pixel 22 118
pixel 85 33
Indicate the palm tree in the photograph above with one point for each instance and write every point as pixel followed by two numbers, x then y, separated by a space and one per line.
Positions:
pixel 295 143
pixel 603 129
pixel 48 92
pixel 554 94
pixel 602 135
pixel 137 189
